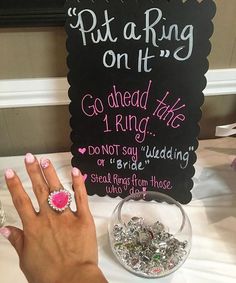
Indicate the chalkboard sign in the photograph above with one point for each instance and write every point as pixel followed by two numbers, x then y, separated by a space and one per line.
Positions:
pixel 137 75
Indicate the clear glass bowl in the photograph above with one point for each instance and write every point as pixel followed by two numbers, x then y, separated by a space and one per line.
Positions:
pixel 150 234
pixel 2 216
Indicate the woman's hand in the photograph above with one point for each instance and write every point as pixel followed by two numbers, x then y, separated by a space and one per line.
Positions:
pixel 53 247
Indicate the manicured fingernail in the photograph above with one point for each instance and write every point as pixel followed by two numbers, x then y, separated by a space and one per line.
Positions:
pixel 29 158
pixel 9 173
pixel 76 172
pixel 44 163
pixel 5 232
pixel 85 176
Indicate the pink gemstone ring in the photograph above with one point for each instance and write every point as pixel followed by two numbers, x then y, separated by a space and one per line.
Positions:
pixel 59 200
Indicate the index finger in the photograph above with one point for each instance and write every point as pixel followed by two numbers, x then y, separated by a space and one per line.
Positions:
pixel 20 198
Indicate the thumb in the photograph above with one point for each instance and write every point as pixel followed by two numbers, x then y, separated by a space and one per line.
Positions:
pixel 15 237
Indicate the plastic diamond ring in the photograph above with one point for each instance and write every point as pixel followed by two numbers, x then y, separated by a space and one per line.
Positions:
pixel 59 200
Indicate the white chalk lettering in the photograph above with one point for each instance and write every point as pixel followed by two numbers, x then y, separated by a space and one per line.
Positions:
pixel 149 27
pixel 132 34
pixel 96 36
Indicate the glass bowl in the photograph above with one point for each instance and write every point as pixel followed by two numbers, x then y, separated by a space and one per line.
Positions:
pixel 2 215
pixel 150 234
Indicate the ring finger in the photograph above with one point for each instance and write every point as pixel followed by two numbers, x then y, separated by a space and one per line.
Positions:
pixel 39 184
pixel 50 175
pixel 53 181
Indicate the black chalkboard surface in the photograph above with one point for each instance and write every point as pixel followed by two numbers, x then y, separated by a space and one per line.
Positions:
pixel 137 75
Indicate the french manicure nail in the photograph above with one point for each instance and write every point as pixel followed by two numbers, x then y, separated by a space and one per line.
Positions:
pixel 76 172
pixel 44 163
pixel 5 232
pixel 29 158
pixel 9 173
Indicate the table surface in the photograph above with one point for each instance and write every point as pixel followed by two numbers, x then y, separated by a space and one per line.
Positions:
pixel 212 213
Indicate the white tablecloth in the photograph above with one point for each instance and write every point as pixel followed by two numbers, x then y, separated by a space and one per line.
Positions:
pixel 212 213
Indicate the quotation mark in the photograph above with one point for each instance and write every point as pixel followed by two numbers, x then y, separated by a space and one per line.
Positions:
pixel 165 53
pixel 191 148
pixel 72 12
pixel 147 161
pixel 143 148
pixel 112 160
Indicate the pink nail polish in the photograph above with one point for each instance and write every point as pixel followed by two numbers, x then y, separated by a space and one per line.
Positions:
pixel 44 163
pixel 9 173
pixel 29 158
pixel 5 232
pixel 76 172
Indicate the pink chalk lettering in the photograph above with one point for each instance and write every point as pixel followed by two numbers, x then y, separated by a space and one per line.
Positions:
pixel 90 106
pixel 136 182
pixel 93 150
pixel 134 191
pixel 101 162
pixel 130 151
pixel 104 149
pixel 117 99
pixel 168 113
pixel 160 184
pixel 116 179
pixel 110 149
pixel 113 190
pixel 132 123
pixel 107 130
pixel 101 179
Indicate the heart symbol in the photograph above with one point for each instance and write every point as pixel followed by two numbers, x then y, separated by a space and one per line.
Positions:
pixel 59 200
pixel 82 150
pixel 85 176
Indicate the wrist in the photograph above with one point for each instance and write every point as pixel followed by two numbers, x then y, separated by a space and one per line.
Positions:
pixel 87 273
